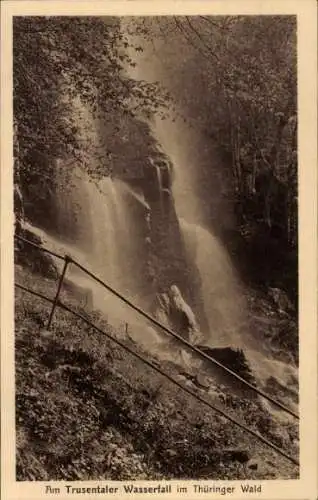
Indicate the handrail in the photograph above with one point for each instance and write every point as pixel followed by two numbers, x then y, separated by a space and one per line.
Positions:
pixel 185 342
pixel 178 337
pixel 162 372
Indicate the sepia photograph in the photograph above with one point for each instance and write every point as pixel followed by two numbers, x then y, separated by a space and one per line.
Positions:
pixel 156 251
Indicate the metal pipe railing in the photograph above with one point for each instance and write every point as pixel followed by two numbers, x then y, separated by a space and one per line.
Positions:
pixel 166 375
pixel 170 332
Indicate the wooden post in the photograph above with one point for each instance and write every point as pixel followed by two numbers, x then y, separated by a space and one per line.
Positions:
pixel 66 262
pixel 126 328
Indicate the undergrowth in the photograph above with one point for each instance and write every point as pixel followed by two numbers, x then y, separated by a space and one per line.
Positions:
pixel 87 409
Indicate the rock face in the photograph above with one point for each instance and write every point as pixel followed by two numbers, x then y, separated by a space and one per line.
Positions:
pixel 32 257
pixel 167 261
pixel 280 300
pixel 173 311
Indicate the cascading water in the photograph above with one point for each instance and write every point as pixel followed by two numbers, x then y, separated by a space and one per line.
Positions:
pixel 103 227
pixel 96 226
pixel 158 174
pixel 223 304
pixel 222 294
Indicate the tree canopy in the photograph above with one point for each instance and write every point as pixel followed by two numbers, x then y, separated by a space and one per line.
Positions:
pixel 65 69
pixel 232 77
pixel 236 81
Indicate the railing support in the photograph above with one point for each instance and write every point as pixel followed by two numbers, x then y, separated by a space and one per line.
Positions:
pixel 67 260
pixel 169 377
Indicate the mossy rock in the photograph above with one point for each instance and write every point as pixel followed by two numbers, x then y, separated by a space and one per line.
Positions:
pixel 33 258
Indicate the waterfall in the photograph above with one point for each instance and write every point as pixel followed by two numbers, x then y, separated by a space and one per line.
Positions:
pixel 222 293
pixel 222 302
pixel 159 179
pixel 97 226
pixel 98 217
pixel 218 287
pixel 159 183
pixel 115 247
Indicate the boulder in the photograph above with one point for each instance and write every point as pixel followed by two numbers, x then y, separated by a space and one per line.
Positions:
pixel 201 381
pixel 234 359
pixel 173 311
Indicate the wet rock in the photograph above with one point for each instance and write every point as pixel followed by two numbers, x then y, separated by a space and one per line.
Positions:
pixel 196 379
pixel 234 359
pixel 166 175
pixel 281 300
pixel 201 381
pixel 188 375
pixel 177 314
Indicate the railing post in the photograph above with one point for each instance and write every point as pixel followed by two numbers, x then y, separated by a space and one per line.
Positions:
pixel 67 260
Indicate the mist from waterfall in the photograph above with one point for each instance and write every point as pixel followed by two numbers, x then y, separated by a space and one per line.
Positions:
pixel 221 291
pixel 223 304
pixel 105 227
pixel 97 226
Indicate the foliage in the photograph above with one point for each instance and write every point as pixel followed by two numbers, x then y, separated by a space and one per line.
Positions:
pixel 79 97
pixel 33 258
pixel 70 74
pixel 85 409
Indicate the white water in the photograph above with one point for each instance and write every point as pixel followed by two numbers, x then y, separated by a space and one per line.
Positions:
pixel 104 228
pixel 104 241
pixel 222 302
pixel 159 181
pixel 104 244
pixel 139 197
pixel 222 293
pixel 224 305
